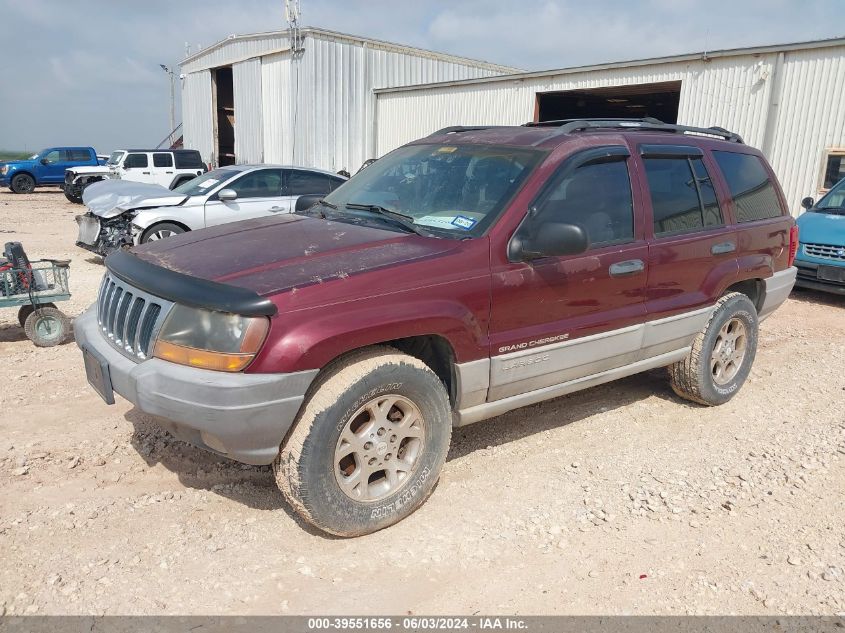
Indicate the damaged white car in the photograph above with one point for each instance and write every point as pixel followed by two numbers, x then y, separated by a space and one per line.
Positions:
pixel 124 213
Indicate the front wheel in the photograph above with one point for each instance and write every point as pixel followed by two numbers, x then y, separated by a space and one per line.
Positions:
pixel 722 354
pixel 47 327
pixel 369 444
pixel 23 183
pixel 160 232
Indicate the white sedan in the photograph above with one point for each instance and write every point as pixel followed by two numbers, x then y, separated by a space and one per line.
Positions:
pixel 122 213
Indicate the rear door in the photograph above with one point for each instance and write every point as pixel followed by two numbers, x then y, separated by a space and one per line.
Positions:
pixel 556 319
pixel 692 249
pixel 163 171
pixel 259 194
pixel 301 182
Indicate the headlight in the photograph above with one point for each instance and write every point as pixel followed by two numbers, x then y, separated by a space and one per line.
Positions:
pixel 210 340
pixel 4 169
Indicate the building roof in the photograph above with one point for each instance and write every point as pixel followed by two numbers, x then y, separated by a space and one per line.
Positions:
pixel 699 56
pixel 335 35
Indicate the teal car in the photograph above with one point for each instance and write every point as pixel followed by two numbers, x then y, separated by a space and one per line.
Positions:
pixel 821 242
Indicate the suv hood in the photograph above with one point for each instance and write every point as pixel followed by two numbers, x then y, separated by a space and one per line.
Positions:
pixel 818 227
pixel 275 254
pixel 109 198
pixel 89 169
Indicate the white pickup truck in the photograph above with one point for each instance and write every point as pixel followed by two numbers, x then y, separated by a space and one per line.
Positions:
pixel 166 167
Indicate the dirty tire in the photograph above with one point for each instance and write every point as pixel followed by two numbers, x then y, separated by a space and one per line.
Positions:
pixel 73 198
pixel 161 231
pixel 47 326
pixel 23 183
pixel 693 378
pixel 307 470
pixel 26 310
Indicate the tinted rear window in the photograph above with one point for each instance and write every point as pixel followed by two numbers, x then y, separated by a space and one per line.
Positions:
pixel 189 160
pixel 753 193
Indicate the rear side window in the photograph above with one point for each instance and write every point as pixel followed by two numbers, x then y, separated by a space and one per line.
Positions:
pixel 78 155
pixel 753 193
pixel 162 160
pixel 135 161
pixel 682 196
pixel 189 160
pixel 596 197
pixel 302 183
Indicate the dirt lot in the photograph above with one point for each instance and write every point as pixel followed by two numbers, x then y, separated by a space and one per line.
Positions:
pixel 620 499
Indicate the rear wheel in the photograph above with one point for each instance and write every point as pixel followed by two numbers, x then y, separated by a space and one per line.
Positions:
pixel 47 327
pixel 161 231
pixel 23 183
pixel 721 355
pixel 369 444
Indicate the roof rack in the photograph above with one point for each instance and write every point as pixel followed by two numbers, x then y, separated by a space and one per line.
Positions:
pixel 567 126
pixel 455 129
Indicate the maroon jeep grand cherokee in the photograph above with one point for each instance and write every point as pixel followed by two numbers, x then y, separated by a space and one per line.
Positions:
pixel 461 276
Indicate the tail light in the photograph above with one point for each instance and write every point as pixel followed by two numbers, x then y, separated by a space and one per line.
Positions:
pixel 793 243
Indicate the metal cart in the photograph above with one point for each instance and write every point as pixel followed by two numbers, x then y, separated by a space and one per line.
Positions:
pixel 36 290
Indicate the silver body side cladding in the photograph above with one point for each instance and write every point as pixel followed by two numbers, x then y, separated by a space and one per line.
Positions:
pixel 525 377
pixel 778 287
pixel 499 407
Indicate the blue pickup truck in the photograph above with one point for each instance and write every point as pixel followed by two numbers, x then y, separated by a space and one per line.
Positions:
pixel 46 168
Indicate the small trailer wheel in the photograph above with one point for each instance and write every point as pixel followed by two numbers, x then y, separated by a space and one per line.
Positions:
pixel 47 326
pixel 26 310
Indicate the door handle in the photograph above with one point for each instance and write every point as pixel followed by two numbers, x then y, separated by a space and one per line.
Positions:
pixel 629 267
pixel 722 248
pixel 145 173
pixel 168 172
pixel 276 209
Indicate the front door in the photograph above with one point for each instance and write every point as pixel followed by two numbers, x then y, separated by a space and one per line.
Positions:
pixel 52 165
pixel 259 193
pixel 137 168
pixel 556 319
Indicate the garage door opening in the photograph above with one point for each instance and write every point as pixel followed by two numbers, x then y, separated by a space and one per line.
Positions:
pixel 658 100
pixel 224 120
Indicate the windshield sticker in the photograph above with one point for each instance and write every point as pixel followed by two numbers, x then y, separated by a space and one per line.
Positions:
pixel 446 149
pixel 205 184
pixel 463 222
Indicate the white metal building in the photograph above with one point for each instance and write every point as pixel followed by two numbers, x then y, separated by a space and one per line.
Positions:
pixel 788 100
pixel 253 98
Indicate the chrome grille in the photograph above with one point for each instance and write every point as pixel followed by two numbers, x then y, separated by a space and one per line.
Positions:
pixel 129 318
pixel 825 251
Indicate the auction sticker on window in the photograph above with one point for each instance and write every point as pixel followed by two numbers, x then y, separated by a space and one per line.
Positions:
pixel 463 222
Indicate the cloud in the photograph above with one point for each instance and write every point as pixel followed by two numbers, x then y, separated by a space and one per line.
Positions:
pixel 93 76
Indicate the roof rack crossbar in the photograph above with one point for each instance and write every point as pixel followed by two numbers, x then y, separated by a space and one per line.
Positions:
pixel 560 122
pixel 568 126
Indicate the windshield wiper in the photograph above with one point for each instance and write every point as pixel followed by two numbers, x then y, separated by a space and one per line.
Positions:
pixel 401 219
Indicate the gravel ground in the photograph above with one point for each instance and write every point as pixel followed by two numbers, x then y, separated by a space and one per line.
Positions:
pixel 622 499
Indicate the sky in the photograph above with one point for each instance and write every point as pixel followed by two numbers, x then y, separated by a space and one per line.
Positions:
pixel 87 72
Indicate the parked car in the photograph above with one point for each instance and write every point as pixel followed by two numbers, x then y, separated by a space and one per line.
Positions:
pixel 223 195
pixel 821 252
pixel 45 168
pixel 461 276
pixel 166 167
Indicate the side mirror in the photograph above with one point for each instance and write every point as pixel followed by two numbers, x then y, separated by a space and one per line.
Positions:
pixel 44 161
pixel 307 201
pixel 550 239
pixel 227 195
pixel 808 202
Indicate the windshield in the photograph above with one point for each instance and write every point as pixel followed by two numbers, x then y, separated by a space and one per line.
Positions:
pixel 203 184
pixel 834 199
pixel 459 189
pixel 115 157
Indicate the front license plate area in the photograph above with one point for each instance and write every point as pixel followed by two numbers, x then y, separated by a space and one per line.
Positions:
pixel 97 371
pixel 831 273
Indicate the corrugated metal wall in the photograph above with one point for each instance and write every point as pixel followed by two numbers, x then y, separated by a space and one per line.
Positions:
pixel 791 108
pixel 249 138
pixel 237 49
pixel 277 108
pixel 197 121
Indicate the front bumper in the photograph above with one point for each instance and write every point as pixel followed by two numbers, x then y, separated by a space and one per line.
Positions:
pixel 242 416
